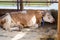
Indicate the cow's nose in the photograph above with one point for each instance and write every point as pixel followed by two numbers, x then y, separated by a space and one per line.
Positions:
pixel 53 20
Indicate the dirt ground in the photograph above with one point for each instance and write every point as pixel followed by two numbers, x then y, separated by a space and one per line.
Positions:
pixel 41 33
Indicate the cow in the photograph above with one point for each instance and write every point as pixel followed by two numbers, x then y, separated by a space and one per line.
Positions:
pixel 25 19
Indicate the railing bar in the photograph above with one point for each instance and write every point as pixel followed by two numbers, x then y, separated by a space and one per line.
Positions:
pixel 32 1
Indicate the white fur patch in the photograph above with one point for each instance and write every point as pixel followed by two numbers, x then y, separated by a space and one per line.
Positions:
pixel 32 21
pixel 48 18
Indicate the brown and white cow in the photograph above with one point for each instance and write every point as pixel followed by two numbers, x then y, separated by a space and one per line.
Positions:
pixel 25 19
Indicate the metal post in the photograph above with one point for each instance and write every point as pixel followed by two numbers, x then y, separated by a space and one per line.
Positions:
pixel 21 5
pixel 17 5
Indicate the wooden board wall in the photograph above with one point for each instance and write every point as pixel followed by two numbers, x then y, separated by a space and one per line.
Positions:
pixel 59 21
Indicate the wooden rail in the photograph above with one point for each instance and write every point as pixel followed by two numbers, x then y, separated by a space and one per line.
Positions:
pixel 31 1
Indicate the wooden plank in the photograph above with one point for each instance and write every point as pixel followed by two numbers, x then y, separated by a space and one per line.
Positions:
pixel 17 5
pixel 40 0
pixel 59 21
pixel 33 1
pixel 7 0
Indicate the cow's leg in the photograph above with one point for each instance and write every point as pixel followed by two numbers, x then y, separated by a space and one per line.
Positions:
pixel 20 27
pixel 16 28
pixel 35 25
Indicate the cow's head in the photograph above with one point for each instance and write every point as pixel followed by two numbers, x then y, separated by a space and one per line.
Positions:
pixel 47 17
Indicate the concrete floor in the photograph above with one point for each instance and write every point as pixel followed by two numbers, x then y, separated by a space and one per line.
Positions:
pixel 29 33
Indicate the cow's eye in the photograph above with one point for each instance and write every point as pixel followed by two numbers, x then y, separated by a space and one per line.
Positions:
pixel 48 17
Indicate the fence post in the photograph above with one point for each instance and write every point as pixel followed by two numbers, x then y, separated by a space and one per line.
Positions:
pixel 21 5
